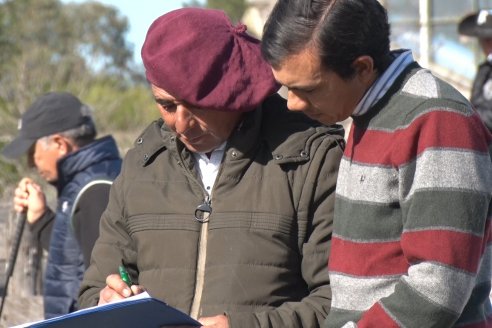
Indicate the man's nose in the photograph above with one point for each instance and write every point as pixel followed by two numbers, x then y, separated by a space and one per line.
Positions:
pixel 296 103
pixel 184 119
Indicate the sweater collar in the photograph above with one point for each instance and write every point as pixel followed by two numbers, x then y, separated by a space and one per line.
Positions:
pixel 401 59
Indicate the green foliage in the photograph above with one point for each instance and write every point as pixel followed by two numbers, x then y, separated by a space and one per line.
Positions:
pixel 234 8
pixel 46 45
pixel 100 34
pixel 52 46
pixel 194 3
pixel 121 109
pixel 9 174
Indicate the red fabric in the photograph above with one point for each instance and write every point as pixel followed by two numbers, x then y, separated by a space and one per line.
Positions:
pixel 437 129
pixel 457 249
pixel 387 258
pixel 376 317
pixel 199 57
pixel 368 259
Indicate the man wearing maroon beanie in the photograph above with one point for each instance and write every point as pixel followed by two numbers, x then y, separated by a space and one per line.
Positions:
pixel 224 206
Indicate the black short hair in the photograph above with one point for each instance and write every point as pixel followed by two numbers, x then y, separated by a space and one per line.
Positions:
pixel 340 30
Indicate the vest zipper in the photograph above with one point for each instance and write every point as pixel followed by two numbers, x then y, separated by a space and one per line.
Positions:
pixel 200 268
pixel 196 306
pixel 195 311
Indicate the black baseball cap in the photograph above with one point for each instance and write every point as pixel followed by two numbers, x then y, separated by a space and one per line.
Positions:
pixel 50 113
pixel 478 24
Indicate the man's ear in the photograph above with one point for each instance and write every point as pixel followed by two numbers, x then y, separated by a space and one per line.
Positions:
pixel 364 69
pixel 63 144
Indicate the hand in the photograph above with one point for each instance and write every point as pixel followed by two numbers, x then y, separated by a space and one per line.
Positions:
pixel 219 321
pixel 28 197
pixel 117 289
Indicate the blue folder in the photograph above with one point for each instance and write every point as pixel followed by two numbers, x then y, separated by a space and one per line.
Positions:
pixel 137 311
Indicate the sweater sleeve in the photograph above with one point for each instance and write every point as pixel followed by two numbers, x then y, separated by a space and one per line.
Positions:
pixel 316 202
pixel 445 187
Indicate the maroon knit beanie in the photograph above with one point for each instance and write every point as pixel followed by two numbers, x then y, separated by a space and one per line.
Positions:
pixel 199 57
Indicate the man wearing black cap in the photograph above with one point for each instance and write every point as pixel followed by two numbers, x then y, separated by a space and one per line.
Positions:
pixel 58 134
pixel 479 25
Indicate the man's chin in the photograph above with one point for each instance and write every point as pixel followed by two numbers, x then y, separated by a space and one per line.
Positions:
pixel 199 149
pixel 200 146
pixel 318 117
pixel 50 180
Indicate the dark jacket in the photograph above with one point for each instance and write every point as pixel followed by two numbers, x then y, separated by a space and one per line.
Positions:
pixel 261 258
pixel 89 205
pixel 65 267
pixel 481 96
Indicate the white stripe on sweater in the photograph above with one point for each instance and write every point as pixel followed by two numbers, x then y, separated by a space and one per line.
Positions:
pixel 447 169
pixel 442 285
pixel 367 183
pixel 422 84
pixel 359 294
pixel 434 169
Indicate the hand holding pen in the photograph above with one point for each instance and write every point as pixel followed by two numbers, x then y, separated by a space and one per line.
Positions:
pixel 124 275
pixel 119 286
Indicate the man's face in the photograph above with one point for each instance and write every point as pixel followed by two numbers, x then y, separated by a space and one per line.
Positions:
pixel 200 130
pixel 45 154
pixel 321 94
pixel 486 45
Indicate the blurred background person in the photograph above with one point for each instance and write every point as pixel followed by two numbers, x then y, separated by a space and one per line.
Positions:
pixel 479 25
pixel 58 134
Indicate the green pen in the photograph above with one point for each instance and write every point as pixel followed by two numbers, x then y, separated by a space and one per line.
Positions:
pixel 125 276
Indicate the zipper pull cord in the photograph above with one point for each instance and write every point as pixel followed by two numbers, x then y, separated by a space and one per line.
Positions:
pixel 203 211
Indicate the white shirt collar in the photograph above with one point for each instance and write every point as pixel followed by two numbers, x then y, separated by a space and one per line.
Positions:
pixel 208 168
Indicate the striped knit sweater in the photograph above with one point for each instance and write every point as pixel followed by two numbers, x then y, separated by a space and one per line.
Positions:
pixel 412 237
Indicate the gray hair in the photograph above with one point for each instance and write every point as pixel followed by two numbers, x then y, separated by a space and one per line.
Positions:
pixel 82 134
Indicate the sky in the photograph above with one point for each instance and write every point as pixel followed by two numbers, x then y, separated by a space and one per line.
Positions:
pixel 140 14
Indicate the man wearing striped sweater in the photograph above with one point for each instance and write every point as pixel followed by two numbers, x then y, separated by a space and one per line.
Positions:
pixel 411 245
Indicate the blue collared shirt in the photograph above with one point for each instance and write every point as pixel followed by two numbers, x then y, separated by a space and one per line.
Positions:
pixel 402 58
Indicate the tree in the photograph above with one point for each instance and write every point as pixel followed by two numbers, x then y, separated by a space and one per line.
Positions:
pixel 57 47
pixel 99 34
pixel 46 45
pixel 234 8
